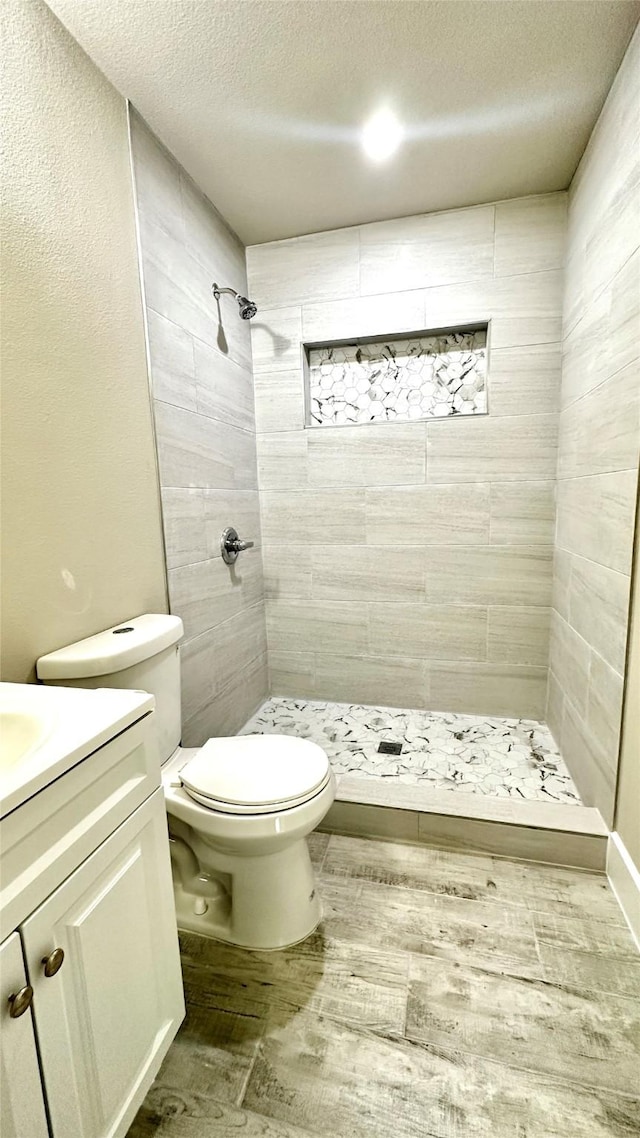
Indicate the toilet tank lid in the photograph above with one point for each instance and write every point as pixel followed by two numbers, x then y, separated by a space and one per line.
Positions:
pixel 113 650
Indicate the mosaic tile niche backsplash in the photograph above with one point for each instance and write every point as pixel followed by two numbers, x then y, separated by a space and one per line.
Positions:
pixel 422 377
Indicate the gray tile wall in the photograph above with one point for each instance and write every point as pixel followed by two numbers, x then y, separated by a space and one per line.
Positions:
pixel 205 424
pixel 598 447
pixel 410 564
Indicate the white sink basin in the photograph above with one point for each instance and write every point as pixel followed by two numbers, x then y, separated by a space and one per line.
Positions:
pixel 20 734
pixel 44 731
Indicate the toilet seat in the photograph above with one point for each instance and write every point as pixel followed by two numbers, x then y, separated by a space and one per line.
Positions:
pixel 255 774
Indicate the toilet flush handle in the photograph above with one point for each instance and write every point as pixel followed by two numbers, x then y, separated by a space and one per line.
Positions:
pixel 231 545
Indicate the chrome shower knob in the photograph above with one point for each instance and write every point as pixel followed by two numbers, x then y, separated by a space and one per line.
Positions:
pixel 231 545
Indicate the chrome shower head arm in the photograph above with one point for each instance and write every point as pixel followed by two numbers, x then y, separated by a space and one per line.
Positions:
pixel 217 291
pixel 247 308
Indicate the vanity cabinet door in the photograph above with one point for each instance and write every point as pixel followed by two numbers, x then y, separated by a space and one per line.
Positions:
pixel 112 1002
pixel 22 1109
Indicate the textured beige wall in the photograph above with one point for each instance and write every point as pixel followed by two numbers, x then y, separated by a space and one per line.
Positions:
pixel 410 563
pixel 627 821
pixel 204 410
pixel 82 545
pixel 598 445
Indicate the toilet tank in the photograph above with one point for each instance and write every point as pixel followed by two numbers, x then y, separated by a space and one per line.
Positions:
pixel 141 654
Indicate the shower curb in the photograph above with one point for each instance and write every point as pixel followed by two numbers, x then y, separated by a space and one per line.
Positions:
pixel 550 833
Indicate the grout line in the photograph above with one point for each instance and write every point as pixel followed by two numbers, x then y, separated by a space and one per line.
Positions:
pixel 251 434
pixel 486 280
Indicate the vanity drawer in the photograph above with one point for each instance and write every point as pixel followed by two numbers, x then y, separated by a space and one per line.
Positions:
pixel 48 836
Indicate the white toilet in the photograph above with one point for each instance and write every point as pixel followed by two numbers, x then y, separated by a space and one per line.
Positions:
pixel 240 809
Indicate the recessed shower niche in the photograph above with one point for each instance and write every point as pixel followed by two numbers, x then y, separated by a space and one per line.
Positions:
pixel 424 375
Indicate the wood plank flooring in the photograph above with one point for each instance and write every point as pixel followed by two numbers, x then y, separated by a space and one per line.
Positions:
pixel 444 996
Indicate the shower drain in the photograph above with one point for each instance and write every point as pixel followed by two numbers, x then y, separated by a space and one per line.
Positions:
pixel 390 748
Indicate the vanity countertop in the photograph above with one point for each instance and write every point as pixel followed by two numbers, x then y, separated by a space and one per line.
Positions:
pixel 45 731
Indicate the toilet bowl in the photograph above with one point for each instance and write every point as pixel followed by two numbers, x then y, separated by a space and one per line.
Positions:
pixel 240 808
pixel 255 886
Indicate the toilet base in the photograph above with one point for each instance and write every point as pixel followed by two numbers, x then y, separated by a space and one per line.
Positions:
pixel 269 902
pixel 190 922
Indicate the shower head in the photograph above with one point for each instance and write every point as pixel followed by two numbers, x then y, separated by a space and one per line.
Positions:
pixel 247 308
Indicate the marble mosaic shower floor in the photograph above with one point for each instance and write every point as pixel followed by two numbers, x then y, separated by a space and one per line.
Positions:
pixel 504 758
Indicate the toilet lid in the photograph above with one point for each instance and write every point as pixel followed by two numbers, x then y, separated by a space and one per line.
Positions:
pixel 255 773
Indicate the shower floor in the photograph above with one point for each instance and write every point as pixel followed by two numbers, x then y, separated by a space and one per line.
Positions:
pixel 499 757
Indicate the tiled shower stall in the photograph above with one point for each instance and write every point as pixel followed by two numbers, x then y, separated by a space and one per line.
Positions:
pixel 420 402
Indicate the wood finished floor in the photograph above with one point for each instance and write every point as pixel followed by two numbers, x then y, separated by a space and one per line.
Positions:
pixel 445 996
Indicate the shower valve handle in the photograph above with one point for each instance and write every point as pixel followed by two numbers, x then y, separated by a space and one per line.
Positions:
pixel 231 545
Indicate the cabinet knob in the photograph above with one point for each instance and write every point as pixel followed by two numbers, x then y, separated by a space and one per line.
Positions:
pixel 53 962
pixel 20 1002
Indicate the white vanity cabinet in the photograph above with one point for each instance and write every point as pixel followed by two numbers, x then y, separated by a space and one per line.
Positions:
pixel 99 951
pixel 22 1110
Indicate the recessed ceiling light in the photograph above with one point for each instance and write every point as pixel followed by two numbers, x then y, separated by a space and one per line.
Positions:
pixel 382 135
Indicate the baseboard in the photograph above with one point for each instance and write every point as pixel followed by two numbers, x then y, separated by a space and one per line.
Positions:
pixel 624 878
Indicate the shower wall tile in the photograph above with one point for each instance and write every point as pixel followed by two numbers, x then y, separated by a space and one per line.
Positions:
pixel 491 689
pixel 209 239
pixel 518 635
pixel 220 658
pixel 584 363
pixel 525 382
pixel 276 340
pixel 598 608
pixel 527 310
pixel 171 352
pixel 224 389
pixel 238 641
pixel 228 709
pixel 209 592
pixel 239 508
pixel 530 234
pixel 488 575
pixel 431 632
pixel 316 626
pixel 366 573
pixel 593 517
pixel 604 705
pixel 522 513
pixel 611 319
pixel 380 454
pixel 391 312
pixel 593 769
pixel 282 460
pixel 413 540
pixel 372 680
pixel 196 451
pixel 279 398
pixel 184 528
pixel 315 517
pixel 603 213
pixel 554 706
pixel 279 270
pixel 178 286
pixel 157 182
pixel 599 439
pixel 428 515
pixel 292 673
pixel 287 571
pixel 431 249
pixel 561 581
pixel 496 450
pixel 200 363
pixel 601 432
pixel 570 659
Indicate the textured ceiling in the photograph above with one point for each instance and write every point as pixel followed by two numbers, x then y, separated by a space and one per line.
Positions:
pixel 262 100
